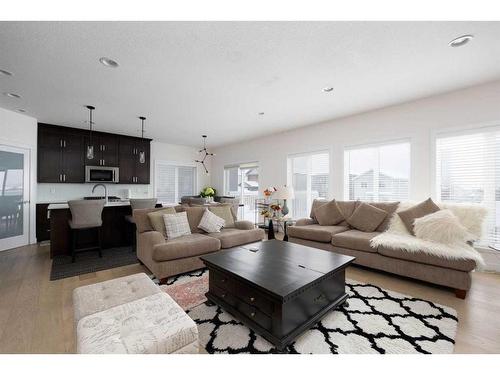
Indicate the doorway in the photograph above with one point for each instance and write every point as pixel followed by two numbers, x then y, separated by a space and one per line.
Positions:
pixel 14 197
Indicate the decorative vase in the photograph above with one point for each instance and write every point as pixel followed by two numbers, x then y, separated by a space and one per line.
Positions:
pixel 284 210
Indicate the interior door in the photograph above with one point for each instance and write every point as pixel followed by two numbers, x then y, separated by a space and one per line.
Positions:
pixel 14 197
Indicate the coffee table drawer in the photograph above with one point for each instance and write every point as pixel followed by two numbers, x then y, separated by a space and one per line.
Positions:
pixel 253 298
pixel 254 314
pixel 222 281
pixel 224 295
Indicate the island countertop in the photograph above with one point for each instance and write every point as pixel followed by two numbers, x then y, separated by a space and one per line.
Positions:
pixel 61 206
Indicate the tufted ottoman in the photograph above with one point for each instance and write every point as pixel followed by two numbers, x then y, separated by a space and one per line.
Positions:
pixel 131 315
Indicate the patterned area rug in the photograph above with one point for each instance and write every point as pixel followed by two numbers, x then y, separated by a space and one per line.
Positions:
pixel 89 261
pixel 376 321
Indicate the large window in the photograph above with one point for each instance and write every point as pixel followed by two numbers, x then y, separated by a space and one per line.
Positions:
pixel 378 173
pixel 468 170
pixel 172 181
pixel 242 181
pixel 308 174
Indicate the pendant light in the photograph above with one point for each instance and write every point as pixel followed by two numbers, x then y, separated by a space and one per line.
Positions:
pixel 205 154
pixel 142 153
pixel 90 146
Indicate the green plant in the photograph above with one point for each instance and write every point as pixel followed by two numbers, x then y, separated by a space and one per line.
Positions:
pixel 208 191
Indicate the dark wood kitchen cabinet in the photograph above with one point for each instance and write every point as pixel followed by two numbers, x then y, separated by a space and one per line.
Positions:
pixel 132 171
pixel 62 155
pixel 105 149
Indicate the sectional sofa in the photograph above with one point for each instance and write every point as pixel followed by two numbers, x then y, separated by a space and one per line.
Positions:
pixel 343 239
pixel 167 257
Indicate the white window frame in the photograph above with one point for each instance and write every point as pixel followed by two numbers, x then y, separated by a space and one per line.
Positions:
pixel 376 144
pixel 289 173
pixel 196 187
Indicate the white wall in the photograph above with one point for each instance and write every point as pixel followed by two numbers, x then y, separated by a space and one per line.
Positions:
pixel 21 131
pixel 159 151
pixel 415 120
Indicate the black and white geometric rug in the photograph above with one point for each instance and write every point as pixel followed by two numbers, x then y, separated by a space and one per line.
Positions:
pixel 376 321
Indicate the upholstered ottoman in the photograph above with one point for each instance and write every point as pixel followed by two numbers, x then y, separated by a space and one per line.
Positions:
pixel 94 298
pixel 131 315
pixel 153 324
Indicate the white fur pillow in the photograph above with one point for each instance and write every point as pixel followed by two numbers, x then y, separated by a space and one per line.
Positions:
pixel 441 226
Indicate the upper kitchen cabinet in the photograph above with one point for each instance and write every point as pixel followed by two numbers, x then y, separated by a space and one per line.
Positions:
pixel 134 169
pixel 60 155
pixel 105 149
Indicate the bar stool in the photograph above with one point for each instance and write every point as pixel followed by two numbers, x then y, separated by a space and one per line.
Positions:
pixel 85 215
pixel 136 204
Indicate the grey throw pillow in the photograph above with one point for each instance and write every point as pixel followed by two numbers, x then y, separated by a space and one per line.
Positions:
pixel 176 225
pixel 328 214
pixel 390 208
pixel 211 223
pixel 366 217
pixel 316 204
pixel 420 210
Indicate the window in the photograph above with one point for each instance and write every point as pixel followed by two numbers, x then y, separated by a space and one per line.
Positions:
pixel 242 181
pixel 378 173
pixel 308 174
pixel 173 181
pixel 468 170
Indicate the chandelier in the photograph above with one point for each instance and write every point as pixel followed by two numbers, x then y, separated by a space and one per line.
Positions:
pixel 205 154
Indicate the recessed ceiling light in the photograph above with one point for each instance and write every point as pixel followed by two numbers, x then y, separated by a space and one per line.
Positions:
pixel 108 62
pixel 461 40
pixel 5 73
pixel 261 113
pixel 327 89
pixel 21 110
pixel 12 95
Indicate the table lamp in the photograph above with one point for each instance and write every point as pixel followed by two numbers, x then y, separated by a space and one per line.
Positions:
pixel 285 193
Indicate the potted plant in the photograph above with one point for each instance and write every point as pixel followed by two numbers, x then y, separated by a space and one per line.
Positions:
pixel 208 193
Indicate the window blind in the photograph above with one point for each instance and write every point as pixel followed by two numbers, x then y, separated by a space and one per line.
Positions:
pixel 309 175
pixel 378 173
pixel 468 170
pixel 173 182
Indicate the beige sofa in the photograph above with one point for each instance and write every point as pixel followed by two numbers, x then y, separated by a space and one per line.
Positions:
pixel 344 240
pixel 166 257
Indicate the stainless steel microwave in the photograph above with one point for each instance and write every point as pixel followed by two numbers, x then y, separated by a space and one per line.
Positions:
pixel 102 174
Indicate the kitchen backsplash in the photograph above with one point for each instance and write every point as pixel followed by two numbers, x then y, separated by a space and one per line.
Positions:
pixel 47 193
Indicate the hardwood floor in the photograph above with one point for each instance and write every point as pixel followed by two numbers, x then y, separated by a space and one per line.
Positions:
pixel 36 315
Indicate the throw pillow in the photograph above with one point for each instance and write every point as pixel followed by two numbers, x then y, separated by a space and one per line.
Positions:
pixel 211 223
pixel 156 219
pixel 390 208
pixel 441 226
pixel 176 225
pixel 316 204
pixel 328 214
pixel 424 208
pixel 223 211
pixel 366 217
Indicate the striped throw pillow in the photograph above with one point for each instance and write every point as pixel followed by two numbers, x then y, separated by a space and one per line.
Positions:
pixel 176 225
pixel 211 223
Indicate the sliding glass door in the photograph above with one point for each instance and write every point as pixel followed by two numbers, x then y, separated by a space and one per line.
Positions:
pixel 242 181
pixel 14 197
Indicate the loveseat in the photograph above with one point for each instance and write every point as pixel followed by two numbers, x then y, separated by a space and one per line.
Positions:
pixel 342 238
pixel 167 257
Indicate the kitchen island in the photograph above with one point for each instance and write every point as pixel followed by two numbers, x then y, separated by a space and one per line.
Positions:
pixel 116 231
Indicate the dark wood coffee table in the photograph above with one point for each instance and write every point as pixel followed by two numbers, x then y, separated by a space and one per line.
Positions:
pixel 279 289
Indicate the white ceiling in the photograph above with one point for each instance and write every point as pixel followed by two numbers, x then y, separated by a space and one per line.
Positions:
pixel 194 78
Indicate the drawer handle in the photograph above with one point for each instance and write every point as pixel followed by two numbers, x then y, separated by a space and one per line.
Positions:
pixel 222 280
pixel 252 314
pixel 223 295
pixel 252 299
